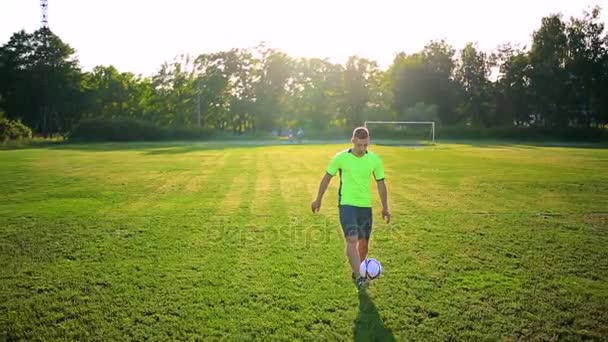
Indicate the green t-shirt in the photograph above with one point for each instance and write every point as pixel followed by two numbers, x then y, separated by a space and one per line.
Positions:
pixel 355 173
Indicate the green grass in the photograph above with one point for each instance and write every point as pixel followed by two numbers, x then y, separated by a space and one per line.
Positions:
pixel 210 241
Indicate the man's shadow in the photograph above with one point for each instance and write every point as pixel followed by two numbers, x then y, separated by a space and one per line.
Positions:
pixel 368 325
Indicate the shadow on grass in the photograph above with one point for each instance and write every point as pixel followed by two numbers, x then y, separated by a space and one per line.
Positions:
pixel 401 143
pixel 369 326
pixel 24 145
pixel 158 147
pixel 179 147
pixel 183 149
pixel 526 144
pixel 149 148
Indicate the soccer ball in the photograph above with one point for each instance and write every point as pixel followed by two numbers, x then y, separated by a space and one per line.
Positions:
pixel 370 268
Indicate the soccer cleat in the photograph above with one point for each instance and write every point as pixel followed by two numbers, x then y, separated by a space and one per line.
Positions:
pixel 362 283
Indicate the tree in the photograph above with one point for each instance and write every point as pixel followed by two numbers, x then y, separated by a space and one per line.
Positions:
pixel 584 66
pixel 360 79
pixel 113 94
pixel 472 74
pixel 409 81
pixel 42 81
pixel 317 84
pixel 548 77
pixel 175 92
pixel 438 57
pixel 275 69
pixel 242 106
pixel 513 86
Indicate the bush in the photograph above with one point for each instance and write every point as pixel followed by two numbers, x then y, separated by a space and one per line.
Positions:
pixel 100 129
pixel 187 133
pixel 13 130
pixel 229 135
pixel 533 133
pixel 331 133
pixel 126 129
pixel 408 132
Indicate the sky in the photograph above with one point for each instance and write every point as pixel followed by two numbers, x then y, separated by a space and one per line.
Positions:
pixel 139 35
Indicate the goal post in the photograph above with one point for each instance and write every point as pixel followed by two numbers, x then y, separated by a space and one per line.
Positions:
pixel 399 127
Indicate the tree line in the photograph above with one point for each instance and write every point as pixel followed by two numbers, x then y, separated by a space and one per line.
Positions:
pixel 560 81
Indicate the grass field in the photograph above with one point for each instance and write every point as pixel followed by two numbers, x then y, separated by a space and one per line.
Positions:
pixel 205 241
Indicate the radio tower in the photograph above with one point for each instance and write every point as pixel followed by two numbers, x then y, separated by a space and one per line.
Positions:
pixel 44 13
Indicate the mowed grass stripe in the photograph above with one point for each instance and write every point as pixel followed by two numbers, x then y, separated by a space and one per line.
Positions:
pixel 270 261
pixel 323 275
pixel 215 260
pixel 156 254
pixel 242 186
pixel 272 289
pixel 252 285
pixel 188 183
pixel 58 194
pixel 190 271
pixel 262 188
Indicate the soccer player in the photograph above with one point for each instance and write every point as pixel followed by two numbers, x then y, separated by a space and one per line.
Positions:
pixel 355 166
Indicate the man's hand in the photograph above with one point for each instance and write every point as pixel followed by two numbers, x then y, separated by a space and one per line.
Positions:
pixel 386 215
pixel 315 206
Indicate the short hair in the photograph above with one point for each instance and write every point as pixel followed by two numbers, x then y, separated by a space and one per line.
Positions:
pixel 361 133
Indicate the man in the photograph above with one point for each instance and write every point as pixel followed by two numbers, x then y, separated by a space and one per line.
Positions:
pixel 355 166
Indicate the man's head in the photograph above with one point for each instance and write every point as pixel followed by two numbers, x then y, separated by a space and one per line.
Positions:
pixel 360 140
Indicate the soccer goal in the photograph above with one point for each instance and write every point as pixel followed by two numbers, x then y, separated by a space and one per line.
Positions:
pixel 402 132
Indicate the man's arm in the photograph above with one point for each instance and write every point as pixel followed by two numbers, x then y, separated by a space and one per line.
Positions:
pixel 316 204
pixel 386 215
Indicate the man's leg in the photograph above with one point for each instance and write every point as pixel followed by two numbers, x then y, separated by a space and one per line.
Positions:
pixel 353 257
pixel 363 248
pixel 352 253
pixel 348 220
pixel 364 221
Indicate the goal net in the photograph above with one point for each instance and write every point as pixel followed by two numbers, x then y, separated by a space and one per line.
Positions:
pixel 406 133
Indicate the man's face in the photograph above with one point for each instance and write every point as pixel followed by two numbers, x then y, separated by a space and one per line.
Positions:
pixel 360 145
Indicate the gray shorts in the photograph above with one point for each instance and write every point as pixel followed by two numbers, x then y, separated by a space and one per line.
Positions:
pixel 356 221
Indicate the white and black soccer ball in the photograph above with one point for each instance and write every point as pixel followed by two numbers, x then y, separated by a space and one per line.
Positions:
pixel 370 268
